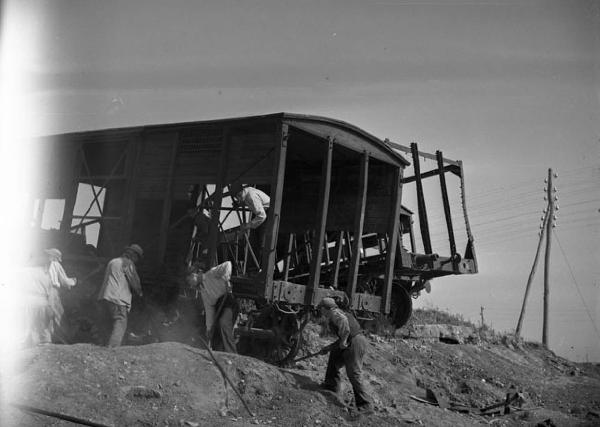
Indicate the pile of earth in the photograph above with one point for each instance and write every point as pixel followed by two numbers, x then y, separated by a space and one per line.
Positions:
pixel 175 384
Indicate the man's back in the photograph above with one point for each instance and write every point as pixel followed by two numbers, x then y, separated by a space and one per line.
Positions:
pixel 216 282
pixel 115 287
pixel 255 198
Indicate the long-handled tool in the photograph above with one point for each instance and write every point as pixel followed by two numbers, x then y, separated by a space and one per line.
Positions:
pixel 222 370
pixel 60 416
pixel 308 356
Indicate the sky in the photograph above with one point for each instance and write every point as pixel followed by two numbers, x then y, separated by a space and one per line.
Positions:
pixel 511 88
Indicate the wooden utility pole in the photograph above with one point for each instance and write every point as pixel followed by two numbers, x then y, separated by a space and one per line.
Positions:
pixel 549 225
pixel 482 319
pixel 531 274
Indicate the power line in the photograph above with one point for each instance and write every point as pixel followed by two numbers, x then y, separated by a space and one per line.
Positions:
pixel 528 181
pixel 492 210
pixel 480 198
pixel 519 201
pixel 576 285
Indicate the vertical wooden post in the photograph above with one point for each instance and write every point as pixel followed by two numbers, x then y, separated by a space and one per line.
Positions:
pixel 321 222
pixel 295 251
pixel 423 221
pixel 71 196
pixel 167 201
pixel 307 251
pixel 393 229
pixel 446 201
pixel 530 279
pixel 470 249
pixel 326 249
pixel 379 243
pixel 549 224
pixel 215 211
pixel 347 245
pixel 339 246
pixel 272 230
pixel 413 245
pixel 359 220
pixel 288 257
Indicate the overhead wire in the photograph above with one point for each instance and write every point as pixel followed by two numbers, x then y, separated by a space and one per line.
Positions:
pixel 576 284
pixel 499 228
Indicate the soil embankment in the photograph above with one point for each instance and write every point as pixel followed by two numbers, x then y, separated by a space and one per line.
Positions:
pixel 177 385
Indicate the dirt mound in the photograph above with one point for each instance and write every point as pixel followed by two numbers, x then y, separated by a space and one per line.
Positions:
pixel 177 385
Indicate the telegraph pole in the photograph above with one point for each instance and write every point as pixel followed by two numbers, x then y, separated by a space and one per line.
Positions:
pixel 552 197
pixel 532 273
pixel 548 223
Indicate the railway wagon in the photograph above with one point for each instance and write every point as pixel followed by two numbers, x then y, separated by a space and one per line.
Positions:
pixel 335 226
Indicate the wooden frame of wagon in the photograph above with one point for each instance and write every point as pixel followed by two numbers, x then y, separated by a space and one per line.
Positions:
pixel 328 180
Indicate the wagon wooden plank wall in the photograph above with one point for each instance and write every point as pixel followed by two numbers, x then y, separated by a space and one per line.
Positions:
pixel 334 189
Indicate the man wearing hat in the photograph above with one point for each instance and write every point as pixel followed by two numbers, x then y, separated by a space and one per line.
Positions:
pixel 254 199
pixel 120 280
pixel 258 203
pixel 43 309
pixel 348 351
pixel 58 279
pixel 57 273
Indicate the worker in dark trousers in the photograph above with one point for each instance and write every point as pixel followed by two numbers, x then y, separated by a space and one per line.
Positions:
pixel 120 281
pixel 222 335
pixel 348 350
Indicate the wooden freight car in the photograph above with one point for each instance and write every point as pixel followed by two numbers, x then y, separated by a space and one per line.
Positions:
pixel 335 225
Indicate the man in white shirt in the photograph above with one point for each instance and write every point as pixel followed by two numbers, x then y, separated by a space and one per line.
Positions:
pixel 58 279
pixel 120 280
pixel 254 199
pixel 219 304
pixel 42 305
pixel 258 203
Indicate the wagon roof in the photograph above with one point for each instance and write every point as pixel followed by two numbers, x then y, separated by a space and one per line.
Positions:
pixel 343 132
pixel 346 133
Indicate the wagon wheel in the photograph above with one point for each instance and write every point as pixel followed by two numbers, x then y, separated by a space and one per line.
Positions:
pixel 289 338
pixel 369 284
pixel 401 306
pixel 286 328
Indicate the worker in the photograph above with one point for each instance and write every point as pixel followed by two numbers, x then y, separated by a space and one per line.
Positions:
pixel 258 203
pixel 348 350
pixel 42 310
pixel 255 200
pixel 220 306
pixel 37 315
pixel 120 281
pixel 58 279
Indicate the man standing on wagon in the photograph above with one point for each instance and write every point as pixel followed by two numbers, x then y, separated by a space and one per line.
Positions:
pixel 258 203
pixel 348 350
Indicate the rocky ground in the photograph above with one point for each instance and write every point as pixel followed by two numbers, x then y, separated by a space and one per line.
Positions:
pixel 174 384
